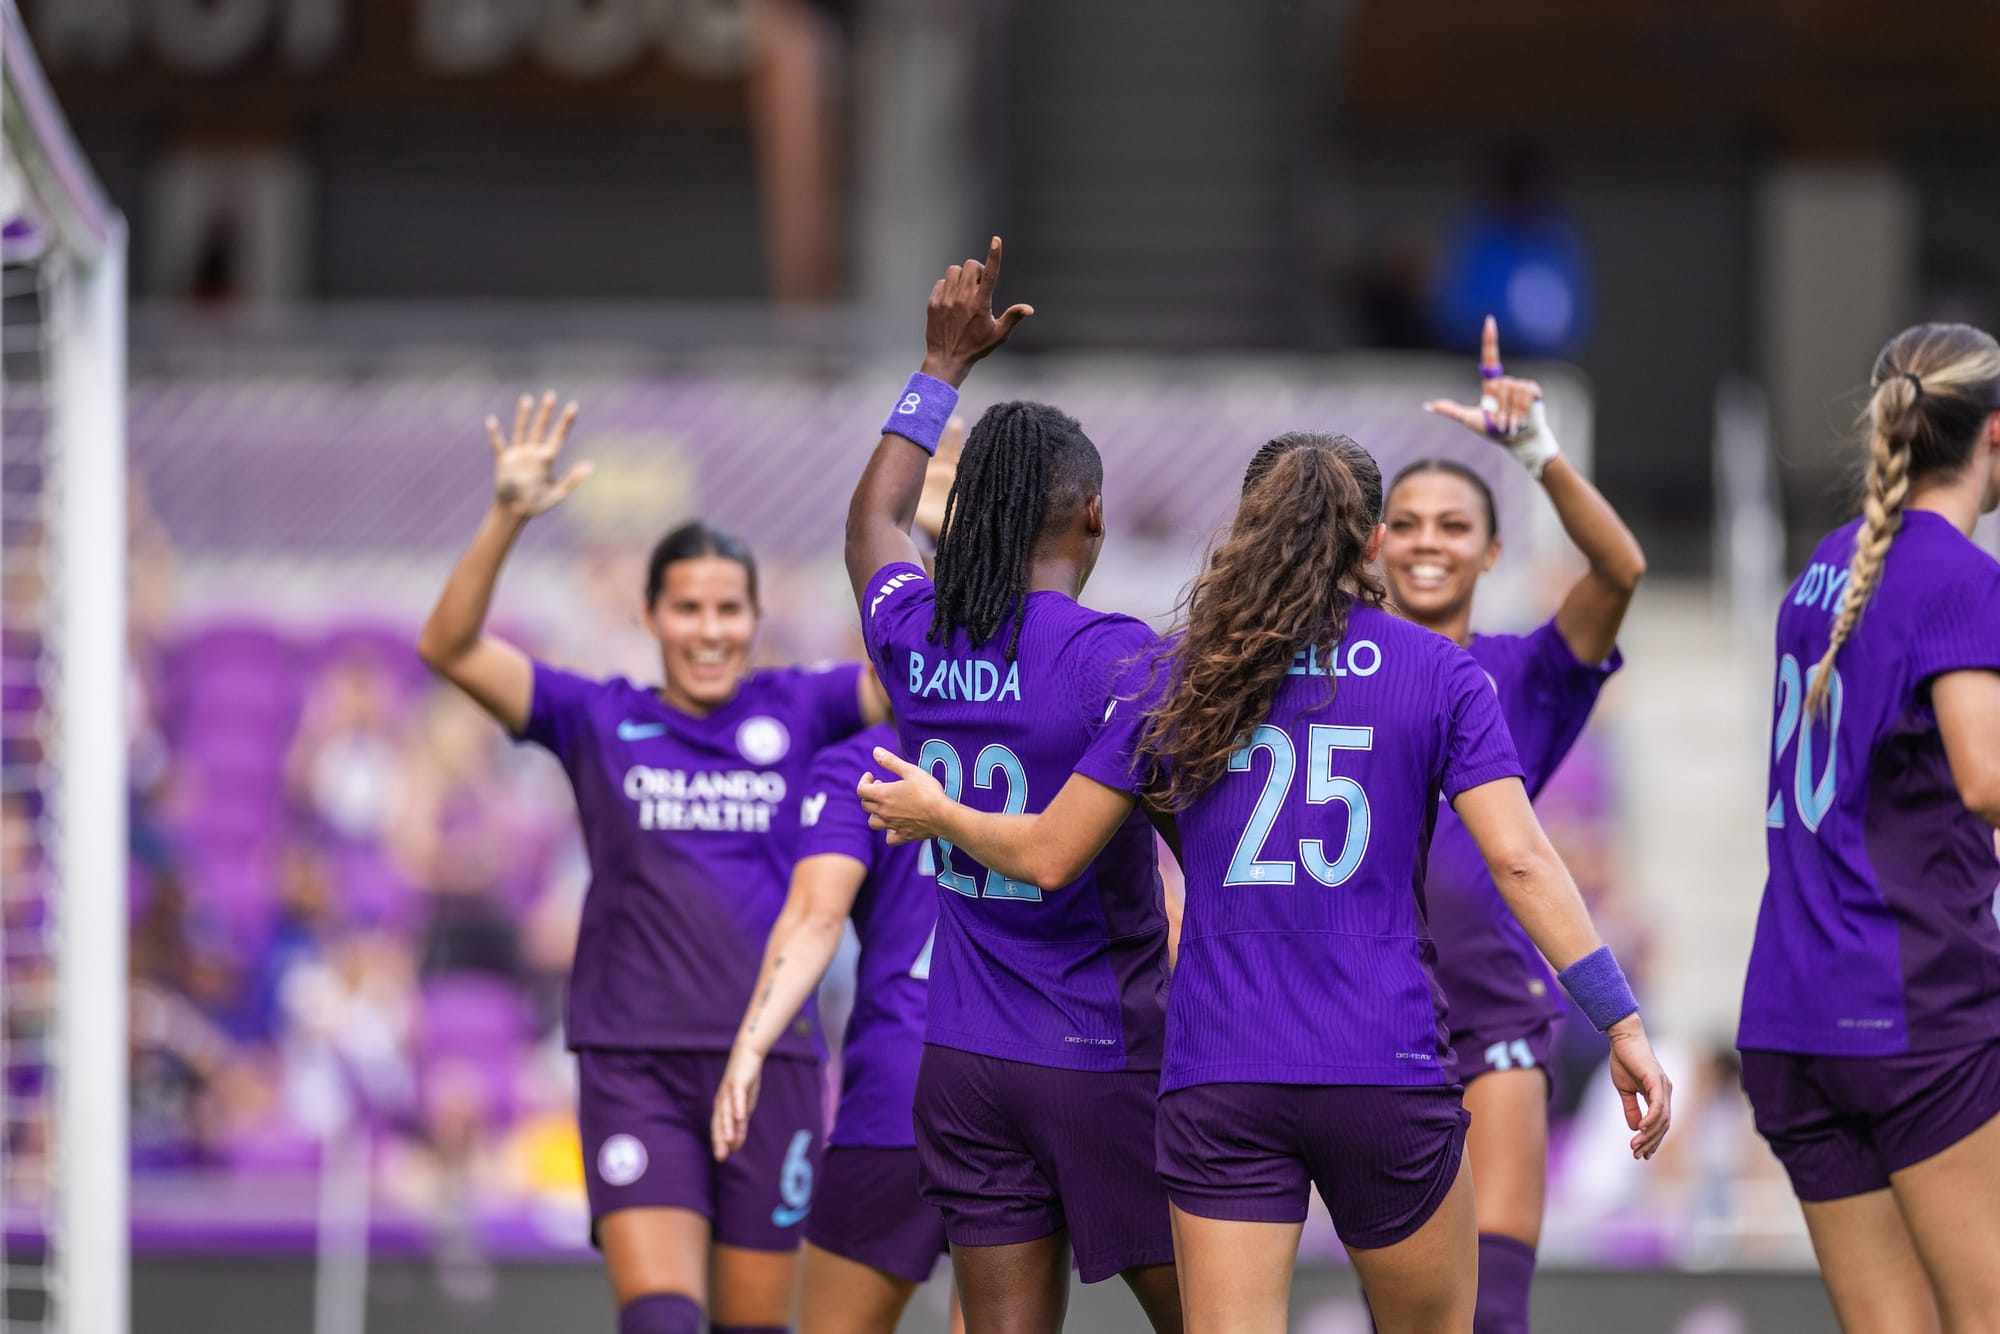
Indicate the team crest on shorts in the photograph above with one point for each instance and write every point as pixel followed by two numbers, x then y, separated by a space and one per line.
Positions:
pixel 621 1160
pixel 763 740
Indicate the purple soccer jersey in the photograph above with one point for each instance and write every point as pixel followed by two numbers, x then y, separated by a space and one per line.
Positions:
pixel 894 917
pixel 1876 935
pixel 690 824
pixel 1492 975
pixel 1304 957
pixel 1076 978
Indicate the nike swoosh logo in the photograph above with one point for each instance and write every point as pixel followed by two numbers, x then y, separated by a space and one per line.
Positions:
pixel 631 731
pixel 784 1217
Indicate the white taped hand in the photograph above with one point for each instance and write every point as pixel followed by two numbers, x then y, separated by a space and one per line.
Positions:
pixel 1533 444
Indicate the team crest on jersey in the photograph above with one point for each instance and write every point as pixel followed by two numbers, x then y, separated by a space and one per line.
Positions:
pixel 763 740
pixel 621 1160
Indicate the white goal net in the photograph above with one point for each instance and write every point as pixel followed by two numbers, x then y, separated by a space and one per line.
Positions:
pixel 63 1254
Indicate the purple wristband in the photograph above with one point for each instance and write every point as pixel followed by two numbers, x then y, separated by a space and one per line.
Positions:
pixel 1597 984
pixel 920 415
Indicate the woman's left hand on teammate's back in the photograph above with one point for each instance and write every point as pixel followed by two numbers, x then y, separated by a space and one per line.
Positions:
pixel 904 806
pixel 1636 1073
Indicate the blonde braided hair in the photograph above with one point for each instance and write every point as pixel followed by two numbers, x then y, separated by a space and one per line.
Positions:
pixel 1935 385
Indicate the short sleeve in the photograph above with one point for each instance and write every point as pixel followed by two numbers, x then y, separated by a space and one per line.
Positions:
pixel 1960 630
pixel 896 592
pixel 1127 685
pixel 558 708
pixel 1558 690
pixel 1555 664
pixel 831 817
pixel 1478 748
pixel 830 698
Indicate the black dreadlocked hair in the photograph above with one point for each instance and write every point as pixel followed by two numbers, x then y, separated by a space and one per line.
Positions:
pixel 1026 466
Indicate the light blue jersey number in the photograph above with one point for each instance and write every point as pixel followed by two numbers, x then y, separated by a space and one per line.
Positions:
pixel 1812 794
pixel 1513 1055
pixel 1248 866
pixel 992 762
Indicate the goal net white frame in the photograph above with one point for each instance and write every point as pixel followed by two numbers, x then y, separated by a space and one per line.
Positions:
pixel 84 1215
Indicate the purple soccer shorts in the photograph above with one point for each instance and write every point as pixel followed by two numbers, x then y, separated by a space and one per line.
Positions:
pixel 644 1118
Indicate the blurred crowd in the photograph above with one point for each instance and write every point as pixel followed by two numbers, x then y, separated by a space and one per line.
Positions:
pixel 353 909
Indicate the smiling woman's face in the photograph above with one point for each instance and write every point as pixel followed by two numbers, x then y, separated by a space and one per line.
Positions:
pixel 705 621
pixel 1438 542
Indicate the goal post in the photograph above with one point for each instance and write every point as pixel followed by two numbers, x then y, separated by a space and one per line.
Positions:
pixel 67 515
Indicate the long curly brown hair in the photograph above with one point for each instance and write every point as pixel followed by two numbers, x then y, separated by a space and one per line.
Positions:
pixel 1285 576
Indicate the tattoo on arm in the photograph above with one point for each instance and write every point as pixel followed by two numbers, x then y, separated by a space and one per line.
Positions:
pixel 757 1011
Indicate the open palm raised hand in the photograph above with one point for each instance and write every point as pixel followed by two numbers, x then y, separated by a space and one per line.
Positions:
pixel 524 477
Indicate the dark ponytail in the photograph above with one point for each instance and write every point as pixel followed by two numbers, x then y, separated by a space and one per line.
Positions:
pixel 1286 576
pixel 1367 472
pixel 1026 467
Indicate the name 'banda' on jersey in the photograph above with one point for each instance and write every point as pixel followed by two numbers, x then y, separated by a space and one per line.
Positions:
pixel 1492 975
pixel 1876 935
pixel 690 825
pixel 894 917
pixel 1075 978
pixel 1304 957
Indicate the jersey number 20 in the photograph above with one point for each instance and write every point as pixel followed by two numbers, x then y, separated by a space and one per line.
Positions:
pixel 1248 866
pixel 1812 794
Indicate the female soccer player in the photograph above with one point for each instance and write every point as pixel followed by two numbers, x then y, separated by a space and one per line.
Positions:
pixel 1442 534
pixel 688 794
pixel 1035 1095
pixel 869 1240
pixel 1304 1043
pixel 1871 1016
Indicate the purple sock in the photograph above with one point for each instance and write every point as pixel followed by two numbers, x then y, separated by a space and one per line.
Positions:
pixel 660 1313
pixel 1506 1272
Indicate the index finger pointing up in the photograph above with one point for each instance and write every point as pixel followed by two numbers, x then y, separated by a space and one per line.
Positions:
pixel 992 276
pixel 1489 346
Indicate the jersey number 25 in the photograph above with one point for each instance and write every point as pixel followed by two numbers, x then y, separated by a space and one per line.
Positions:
pixel 1248 866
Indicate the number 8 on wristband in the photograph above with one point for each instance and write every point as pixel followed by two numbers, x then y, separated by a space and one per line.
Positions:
pixel 920 415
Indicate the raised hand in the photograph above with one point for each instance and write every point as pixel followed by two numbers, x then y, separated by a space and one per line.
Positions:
pixel 1506 404
pixel 959 326
pixel 1636 1073
pixel 904 807
pixel 939 475
pixel 524 479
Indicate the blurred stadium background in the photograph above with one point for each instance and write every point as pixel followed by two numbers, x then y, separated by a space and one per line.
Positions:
pixel 357 226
